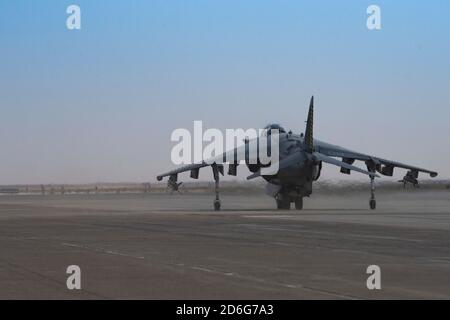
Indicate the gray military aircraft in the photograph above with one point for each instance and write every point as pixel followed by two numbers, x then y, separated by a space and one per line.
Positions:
pixel 300 163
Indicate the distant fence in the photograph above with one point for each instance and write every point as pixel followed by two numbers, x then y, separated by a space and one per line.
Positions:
pixel 321 187
pixel 9 190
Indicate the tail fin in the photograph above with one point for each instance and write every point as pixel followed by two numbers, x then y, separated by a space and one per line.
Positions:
pixel 308 140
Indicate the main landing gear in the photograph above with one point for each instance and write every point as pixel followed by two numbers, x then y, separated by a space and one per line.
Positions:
pixel 284 202
pixel 216 203
pixel 299 203
pixel 372 201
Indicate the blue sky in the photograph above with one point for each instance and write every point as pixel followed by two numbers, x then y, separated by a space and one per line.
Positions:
pixel 100 103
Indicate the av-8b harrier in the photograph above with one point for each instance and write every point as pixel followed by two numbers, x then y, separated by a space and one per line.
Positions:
pixel 300 163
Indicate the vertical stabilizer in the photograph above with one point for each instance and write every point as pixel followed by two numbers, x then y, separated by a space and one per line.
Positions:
pixel 309 140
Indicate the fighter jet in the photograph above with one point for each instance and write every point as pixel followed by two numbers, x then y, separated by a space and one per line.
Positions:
pixel 300 163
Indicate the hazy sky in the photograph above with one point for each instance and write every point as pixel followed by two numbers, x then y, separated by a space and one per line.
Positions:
pixel 99 104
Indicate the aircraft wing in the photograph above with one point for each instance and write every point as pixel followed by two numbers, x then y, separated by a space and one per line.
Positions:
pixel 295 158
pixel 383 166
pixel 190 167
pixel 240 153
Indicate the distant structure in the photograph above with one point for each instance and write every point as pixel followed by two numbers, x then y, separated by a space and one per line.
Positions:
pixel 42 189
pixel 146 187
pixel 9 190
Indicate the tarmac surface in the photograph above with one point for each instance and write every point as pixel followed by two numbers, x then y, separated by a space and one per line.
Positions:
pixel 150 246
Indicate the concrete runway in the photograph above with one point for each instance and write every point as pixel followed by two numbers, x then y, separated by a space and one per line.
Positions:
pixel 149 246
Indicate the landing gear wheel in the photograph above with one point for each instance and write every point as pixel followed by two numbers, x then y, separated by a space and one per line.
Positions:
pixel 373 204
pixel 217 205
pixel 283 204
pixel 279 205
pixel 216 172
pixel 299 204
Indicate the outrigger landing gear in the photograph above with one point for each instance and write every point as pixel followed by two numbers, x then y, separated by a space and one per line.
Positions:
pixel 216 187
pixel 372 202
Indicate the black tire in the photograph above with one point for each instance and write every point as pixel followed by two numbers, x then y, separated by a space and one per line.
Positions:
pixel 284 203
pixel 279 205
pixel 216 205
pixel 373 204
pixel 299 204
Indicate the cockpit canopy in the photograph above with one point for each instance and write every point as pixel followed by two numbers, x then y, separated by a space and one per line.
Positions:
pixel 274 126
